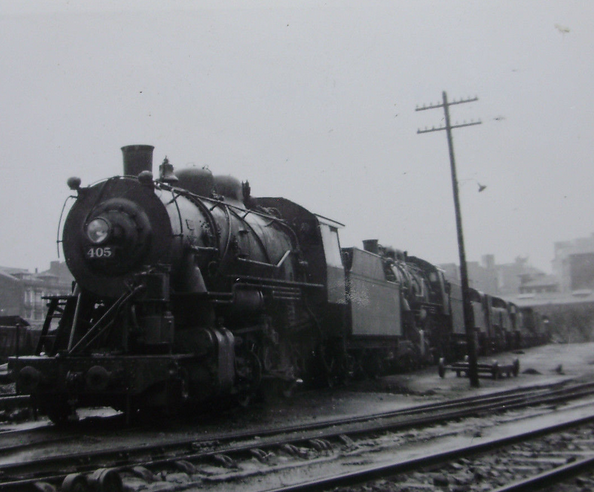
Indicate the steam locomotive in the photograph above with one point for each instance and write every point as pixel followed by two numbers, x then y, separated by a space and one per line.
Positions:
pixel 190 290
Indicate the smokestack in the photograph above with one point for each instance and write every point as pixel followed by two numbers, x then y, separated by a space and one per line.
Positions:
pixel 137 158
pixel 371 245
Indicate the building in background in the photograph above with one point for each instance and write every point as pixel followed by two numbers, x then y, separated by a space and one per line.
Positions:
pixel 539 283
pixel 22 292
pixel 574 264
pixel 566 297
pixel 506 279
pixel 11 294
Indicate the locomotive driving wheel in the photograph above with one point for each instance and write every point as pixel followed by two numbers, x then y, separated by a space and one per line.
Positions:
pixel 76 482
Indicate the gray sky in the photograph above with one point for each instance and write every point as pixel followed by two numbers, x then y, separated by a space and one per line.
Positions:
pixel 314 101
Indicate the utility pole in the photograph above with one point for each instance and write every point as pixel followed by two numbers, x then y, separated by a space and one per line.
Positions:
pixel 468 314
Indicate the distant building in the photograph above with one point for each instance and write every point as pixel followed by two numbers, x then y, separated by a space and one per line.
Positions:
pixel 570 308
pixel 11 294
pixel 538 284
pixel 501 280
pixel 566 298
pixel 22 292
pixel 574 264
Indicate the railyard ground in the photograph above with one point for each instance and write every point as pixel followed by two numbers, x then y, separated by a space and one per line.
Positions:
pixel 544 365
pixel 548 364
pixel 538 365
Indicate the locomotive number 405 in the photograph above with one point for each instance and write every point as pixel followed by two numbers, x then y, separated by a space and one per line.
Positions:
pixel 100 252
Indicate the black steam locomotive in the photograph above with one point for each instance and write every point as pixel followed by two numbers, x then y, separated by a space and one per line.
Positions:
pixel 188 290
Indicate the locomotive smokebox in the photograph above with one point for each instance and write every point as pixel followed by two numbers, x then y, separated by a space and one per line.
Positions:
pixel 137 158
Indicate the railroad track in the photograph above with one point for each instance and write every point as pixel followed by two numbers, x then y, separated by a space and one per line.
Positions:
pixel 513 463
pixel 12 401
pixel 215 459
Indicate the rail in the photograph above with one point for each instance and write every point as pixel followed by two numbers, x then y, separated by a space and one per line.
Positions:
pixel 259 443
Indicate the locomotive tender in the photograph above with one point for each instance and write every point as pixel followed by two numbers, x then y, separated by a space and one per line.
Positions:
pixel 188 289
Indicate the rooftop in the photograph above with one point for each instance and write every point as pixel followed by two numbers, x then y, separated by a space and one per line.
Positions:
pixel 582 296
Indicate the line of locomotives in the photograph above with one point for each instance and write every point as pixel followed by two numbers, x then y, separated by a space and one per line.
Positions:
pixel 190 290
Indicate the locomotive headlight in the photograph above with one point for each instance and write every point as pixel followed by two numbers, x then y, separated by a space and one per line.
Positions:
pixel 98 230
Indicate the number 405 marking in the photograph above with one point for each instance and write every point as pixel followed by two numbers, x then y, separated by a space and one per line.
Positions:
pixel 105 252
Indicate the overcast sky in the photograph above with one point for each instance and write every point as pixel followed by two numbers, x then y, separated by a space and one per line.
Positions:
pixel 313 101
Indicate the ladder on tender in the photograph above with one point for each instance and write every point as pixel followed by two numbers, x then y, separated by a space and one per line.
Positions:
pixel 60 308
